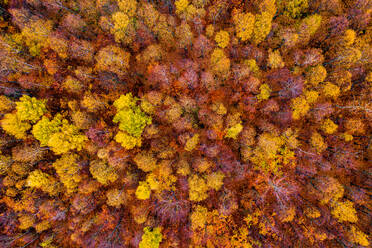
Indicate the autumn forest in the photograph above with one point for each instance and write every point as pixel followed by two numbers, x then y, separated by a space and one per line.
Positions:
pixel 185 123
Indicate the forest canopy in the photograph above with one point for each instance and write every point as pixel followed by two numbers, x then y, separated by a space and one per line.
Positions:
pixel 185 123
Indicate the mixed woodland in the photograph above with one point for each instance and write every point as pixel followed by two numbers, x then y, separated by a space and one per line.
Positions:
pixel 185 123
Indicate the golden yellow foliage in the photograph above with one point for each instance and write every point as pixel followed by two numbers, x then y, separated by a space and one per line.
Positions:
pixel 330 189
pixel 129 7
pixel 103 172
pixel 5 104
pixel 81 119
pixel 21 169
pixel 173 113
pixel 14 126
pixel 199 217
pixel 42 226
pixel 288 214
pixel 349 37
pixel 48 242
pixel 262 27
pixel 244 23
pixel 35 35
pixel 127 141
pixel 331 90
pixel 26 221
pixel 252 65
pixel 30 108
pixel 121 22
pixel 268 6
pixel 147 107
pixel 348 56
pixel 125 101
pixel 132 120
pixel 312 212
pixel 40 180
pixel 369 77
pixel 219 108
pixel 265 92
pixel 151 238
pixel 181 6
pixel 271 153
pixel 294 8
pixel 347 137
pixel 162 178
pixel 149 14
pixel 241 238
pixel 219 61
pixel 72 85
pixel 67 138
pixel 197 188
pixel 234 131
pixel 222 39
pixel 92 102
pixel 309 25
pixel 328 126
pixel 183 168
pixel 192 142
pixel 145 161
pixel 300 107
pixel 184 35
pixel 68 171
pixel 209 30
pixel 358 237
pixel 191 12
pixel 143 191
pixel 317 142
pixel 316 75
pixel 311 96
pixel 215 180
pixel 45 128
pixel 344 211
pixel 275 60
pixel 290 137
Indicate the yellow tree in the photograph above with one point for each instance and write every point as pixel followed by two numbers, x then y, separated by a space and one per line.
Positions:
pixel 68 171
pixel 113 59
pixel 35 35
pixel 262 27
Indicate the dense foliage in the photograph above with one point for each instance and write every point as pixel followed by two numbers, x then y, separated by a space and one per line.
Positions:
pixel 185 123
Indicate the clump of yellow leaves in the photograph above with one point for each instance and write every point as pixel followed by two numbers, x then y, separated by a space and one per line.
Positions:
pixel 103 172
pixel 344 211
pixel 45 182
pixel 29 110
pixel 222 38
pixel 68 171
pixel 358 237
pixel 132 120
pixel 244 23
pixel 272 153
pixel 59 134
